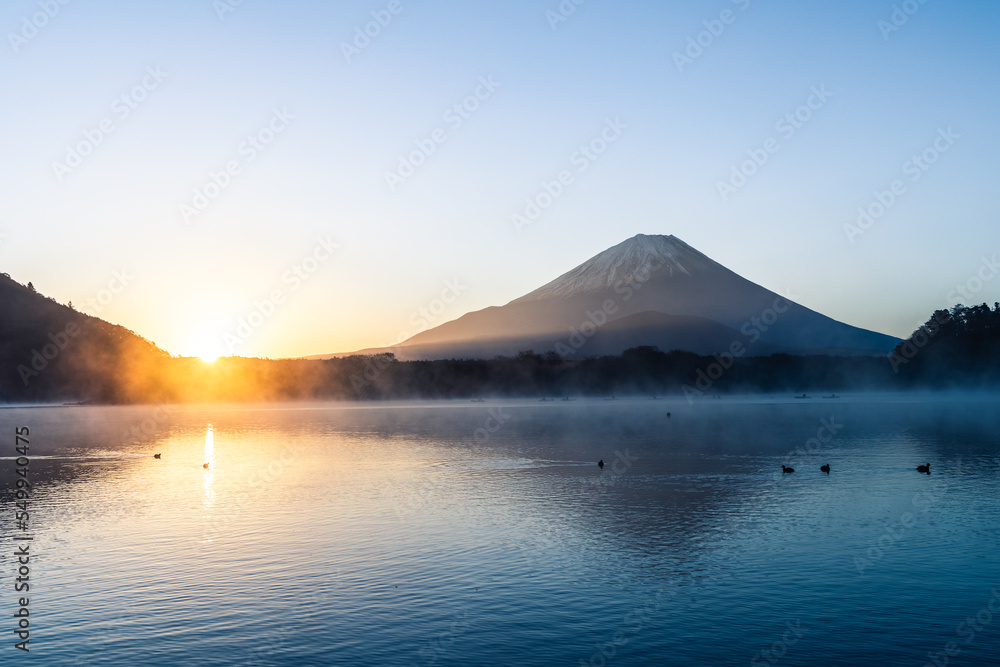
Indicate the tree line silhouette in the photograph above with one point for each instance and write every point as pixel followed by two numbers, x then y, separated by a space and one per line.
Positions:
pixel 50 352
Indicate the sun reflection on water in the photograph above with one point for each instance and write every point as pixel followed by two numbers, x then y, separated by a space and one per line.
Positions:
pixel 209 482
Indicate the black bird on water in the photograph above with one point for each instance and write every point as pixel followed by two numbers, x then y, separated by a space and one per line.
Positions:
pixel 156 456
pixel 600 464
pixel 785 468
pixel 825 468
pixel 926 468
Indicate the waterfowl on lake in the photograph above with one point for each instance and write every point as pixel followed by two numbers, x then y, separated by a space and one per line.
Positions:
pixel 205 465
pixel 668 415
pixel 924 468
pixel 825 468
pixel 600 464
pixel 156 456
pixel 785 468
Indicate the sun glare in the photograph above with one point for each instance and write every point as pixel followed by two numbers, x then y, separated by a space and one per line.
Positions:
pixel 208 357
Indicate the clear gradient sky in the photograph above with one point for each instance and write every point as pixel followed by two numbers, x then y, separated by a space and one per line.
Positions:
pixel 330 122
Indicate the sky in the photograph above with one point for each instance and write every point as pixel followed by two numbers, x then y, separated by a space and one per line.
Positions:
pixel 283 179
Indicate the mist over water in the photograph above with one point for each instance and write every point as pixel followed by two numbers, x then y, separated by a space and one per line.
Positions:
pixel 458 533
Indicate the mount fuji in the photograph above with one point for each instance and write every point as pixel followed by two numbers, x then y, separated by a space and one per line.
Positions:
pixel 647 290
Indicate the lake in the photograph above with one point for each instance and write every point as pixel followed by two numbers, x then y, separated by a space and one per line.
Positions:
pixel 463 533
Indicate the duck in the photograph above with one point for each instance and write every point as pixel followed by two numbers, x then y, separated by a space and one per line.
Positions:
pixel 924 468
pixel 600 464
pixel 156 456
pixel 205 465
pixel 785 468
pixel 668 415
pixel 825 468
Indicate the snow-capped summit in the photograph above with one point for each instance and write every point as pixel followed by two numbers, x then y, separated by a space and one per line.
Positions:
pixel 647 290
pixel 632 260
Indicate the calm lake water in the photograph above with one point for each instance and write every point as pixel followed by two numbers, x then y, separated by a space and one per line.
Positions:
pixel 460 533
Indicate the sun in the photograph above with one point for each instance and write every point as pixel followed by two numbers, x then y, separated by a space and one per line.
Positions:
pixel 208 349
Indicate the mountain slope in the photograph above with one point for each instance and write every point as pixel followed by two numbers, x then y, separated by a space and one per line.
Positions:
pixel 646 274
pixel 50 351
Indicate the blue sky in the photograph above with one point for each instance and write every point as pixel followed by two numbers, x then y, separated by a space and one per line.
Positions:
pixel 310 134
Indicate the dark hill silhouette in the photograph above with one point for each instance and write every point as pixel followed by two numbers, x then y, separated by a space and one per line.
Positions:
pixel 49 351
